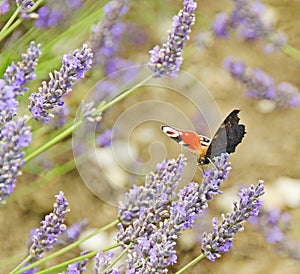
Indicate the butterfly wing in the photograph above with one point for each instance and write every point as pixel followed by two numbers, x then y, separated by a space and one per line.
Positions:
pixel 227 137
pixel 195 143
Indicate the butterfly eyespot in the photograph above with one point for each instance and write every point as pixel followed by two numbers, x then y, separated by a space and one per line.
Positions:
pixel 170 132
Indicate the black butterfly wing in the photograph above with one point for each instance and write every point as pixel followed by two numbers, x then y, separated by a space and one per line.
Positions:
pixel 227 137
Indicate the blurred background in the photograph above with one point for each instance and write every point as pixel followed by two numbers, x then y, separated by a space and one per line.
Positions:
pixel 94 170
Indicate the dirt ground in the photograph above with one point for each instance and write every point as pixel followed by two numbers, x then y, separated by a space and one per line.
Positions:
pixel 270 150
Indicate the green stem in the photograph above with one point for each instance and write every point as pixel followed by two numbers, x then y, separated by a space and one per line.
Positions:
pixel 190 264
pixel 45 178
pixel 8 28
pixel 57 268
pixel 125 94
pixel 117 259
pixel 67 248
pixel 291 51
pixel 9 22
pixel 69 130
pixel 52 142
pixel 26 260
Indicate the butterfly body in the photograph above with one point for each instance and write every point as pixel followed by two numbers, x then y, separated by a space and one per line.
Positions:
pixel 227 137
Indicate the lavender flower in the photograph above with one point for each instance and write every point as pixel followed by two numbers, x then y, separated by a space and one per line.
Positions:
pixel 220 240
pixel 287 95
pixel 25 10
pixel 107 33
pixel 153 222
pixel 166 61
pixel 213 178
pixel 25 4
pixel 78 267
pixel 90 112
pixel 4 6
pixel 75 4
pixel 8 103
pixel 105 139
pixel 15 77
pixel 60 116
pixel 221 25
pixel 48 18
pixel 55 12
pixel 247 16
pixel 248 19
pixel 103 260
pixel 29 271
pixel 50 94
pixel 277 41
pixel 261 86
pixel 52 226
pixel 18 75
pixel 71 234
pixel 159 189
pixel 14 136
pixel 275 225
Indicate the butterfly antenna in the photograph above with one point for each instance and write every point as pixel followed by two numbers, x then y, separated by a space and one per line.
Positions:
pixel 198 164
pixel 212 162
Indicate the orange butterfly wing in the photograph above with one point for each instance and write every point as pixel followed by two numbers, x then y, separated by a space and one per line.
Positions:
pixel 195 143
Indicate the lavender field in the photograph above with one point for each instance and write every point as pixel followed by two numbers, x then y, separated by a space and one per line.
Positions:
pixel 90 181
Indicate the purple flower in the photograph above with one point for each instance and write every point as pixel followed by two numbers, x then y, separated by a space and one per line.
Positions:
pixel 60 116
pixel 193 199
pixel 29 271
pixel 51 227
pixel 103 260
pixel 105 139
pixel 287 95
pixel 25 4
pixel 71 234
pixel 25 10
pixel 166 60
pixel 106 88
pixel 247 18
pixel 261 86
pixel 75 4
pixel 277 41
pixel 115 64
pixel 221 239
pixel 4 6
pixel 61 82
pixel 275 225
pixel 143 216
pixel 106 34
pixel 151 198
pixel 237 69
pixel 221 25
pixel 78 267
pixel 8 103
pixel 15 77
pixel 212 178
pixel 152 220
pixel 14 136
pixel 48 18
